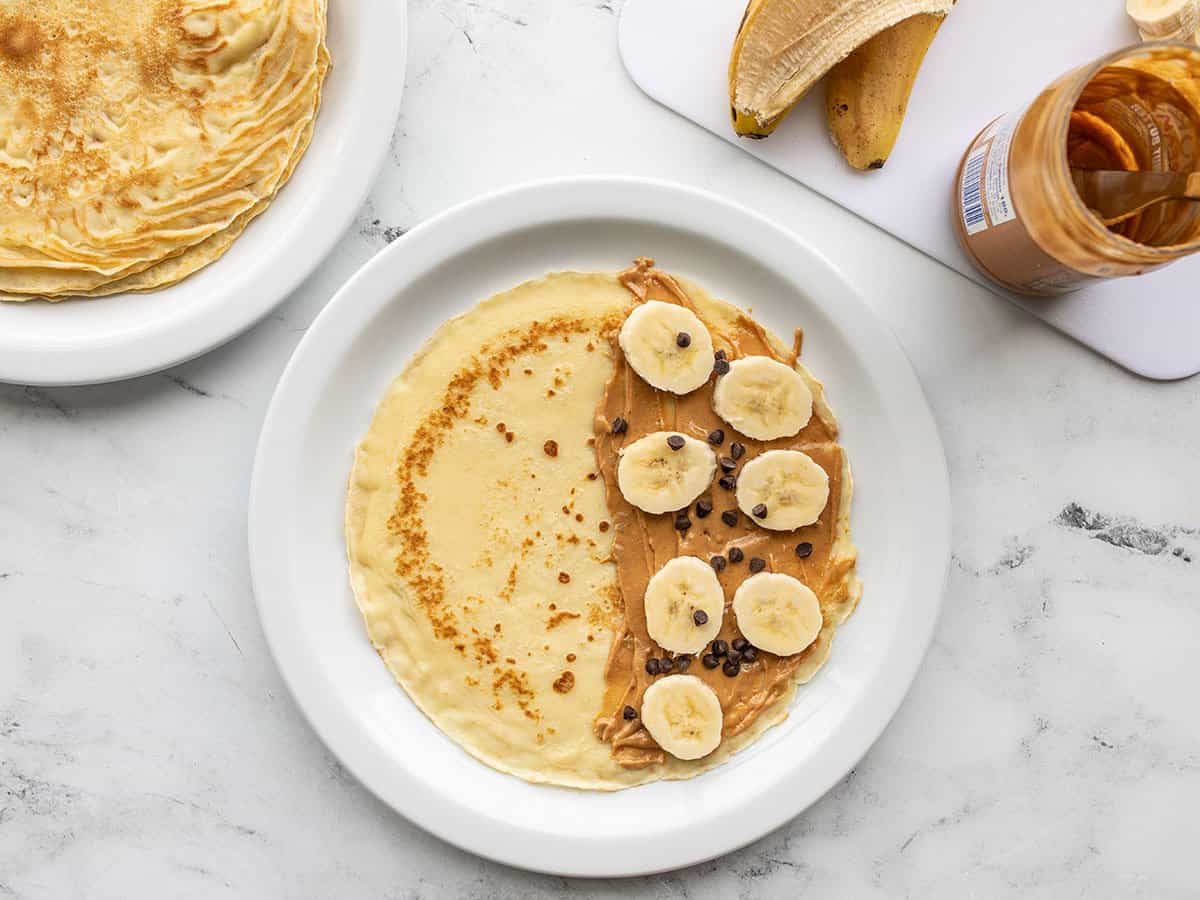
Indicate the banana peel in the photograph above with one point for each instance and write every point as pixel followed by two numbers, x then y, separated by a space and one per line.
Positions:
pixel 867 93
pixel 783 47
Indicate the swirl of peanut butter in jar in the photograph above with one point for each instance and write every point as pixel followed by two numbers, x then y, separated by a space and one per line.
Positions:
pixel 1016 210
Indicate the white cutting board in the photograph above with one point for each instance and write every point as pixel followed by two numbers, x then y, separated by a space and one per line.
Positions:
pixel 987 59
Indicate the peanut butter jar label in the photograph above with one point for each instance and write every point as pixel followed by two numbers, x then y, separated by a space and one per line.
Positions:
pixel 988 219
pixel 984 199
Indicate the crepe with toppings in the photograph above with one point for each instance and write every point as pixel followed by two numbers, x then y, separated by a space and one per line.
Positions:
pixel 142 136
pixel 480 524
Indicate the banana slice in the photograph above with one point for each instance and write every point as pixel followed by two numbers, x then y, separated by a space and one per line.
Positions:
pixel 668 346
pixel 782 490
pixel 657 478
pixel 1159 20
pixel 684 604
pixel 763 398
pixel 777 613
pixel 683 715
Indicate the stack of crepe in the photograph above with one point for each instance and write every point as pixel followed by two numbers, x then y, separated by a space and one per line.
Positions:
pixel 138 138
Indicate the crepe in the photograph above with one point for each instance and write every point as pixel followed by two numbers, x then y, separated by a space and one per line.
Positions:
pixel 141 137
pixel 480 542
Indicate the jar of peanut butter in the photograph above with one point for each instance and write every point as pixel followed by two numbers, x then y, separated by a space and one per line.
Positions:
pixel 1016 209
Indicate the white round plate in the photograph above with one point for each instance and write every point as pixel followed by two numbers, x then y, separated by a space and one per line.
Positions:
pixel 110 338
pixel 324 404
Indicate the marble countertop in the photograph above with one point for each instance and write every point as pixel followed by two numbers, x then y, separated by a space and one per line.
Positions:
pixel 1049 747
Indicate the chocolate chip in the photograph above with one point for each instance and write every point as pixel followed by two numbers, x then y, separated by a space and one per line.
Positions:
pixel 760 511
pixel 721 367
pixel 666 665
pixel 718 563
pixel 737 450
pixel 682 522
pixel 652 666
pixel 720 354
pixel 731 668
pixel 727 464
pixel 757 564
pixel 728 482
pixel 740 644
pixel 703 508
pixel 804 550
pixel 683 339
pixel 676 442
pixel 716 437
pixel 734 657
pixel 719 648
pixel 710 661
pixel 730 518
pixel 700 617
pixel 682 662
pixel 550 448
pixel 736 555
pixel 619 426
pixel 750 654
pixel 628 713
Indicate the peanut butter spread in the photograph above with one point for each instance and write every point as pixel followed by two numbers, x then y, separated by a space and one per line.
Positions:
pixel 643 543
pixel 1141 116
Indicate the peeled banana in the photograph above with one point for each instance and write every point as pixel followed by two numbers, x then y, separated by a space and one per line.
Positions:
pixel 668 346
pixel 663 471
pixel 784 46
pixel 762 398
pixel 777 613
pixel 1161 20
pixel 867 92
pixel 782 490
pixel 684 603
pixel 683 715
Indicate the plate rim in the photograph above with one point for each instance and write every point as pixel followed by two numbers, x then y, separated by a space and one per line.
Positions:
pixel 487 838
pixel 182 340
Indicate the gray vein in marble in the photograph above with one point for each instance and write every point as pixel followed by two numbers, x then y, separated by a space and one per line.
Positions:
pixel 375 230
pixel 286 323
pixel 27 795
pixel 967 810
pixel 41 398
pixel 224 625
pixel 1125 532
pixel 1016 556
pixel 215 814
pixel 499 14
pixel 1040 727
pixel 196 391
pixel 186 385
